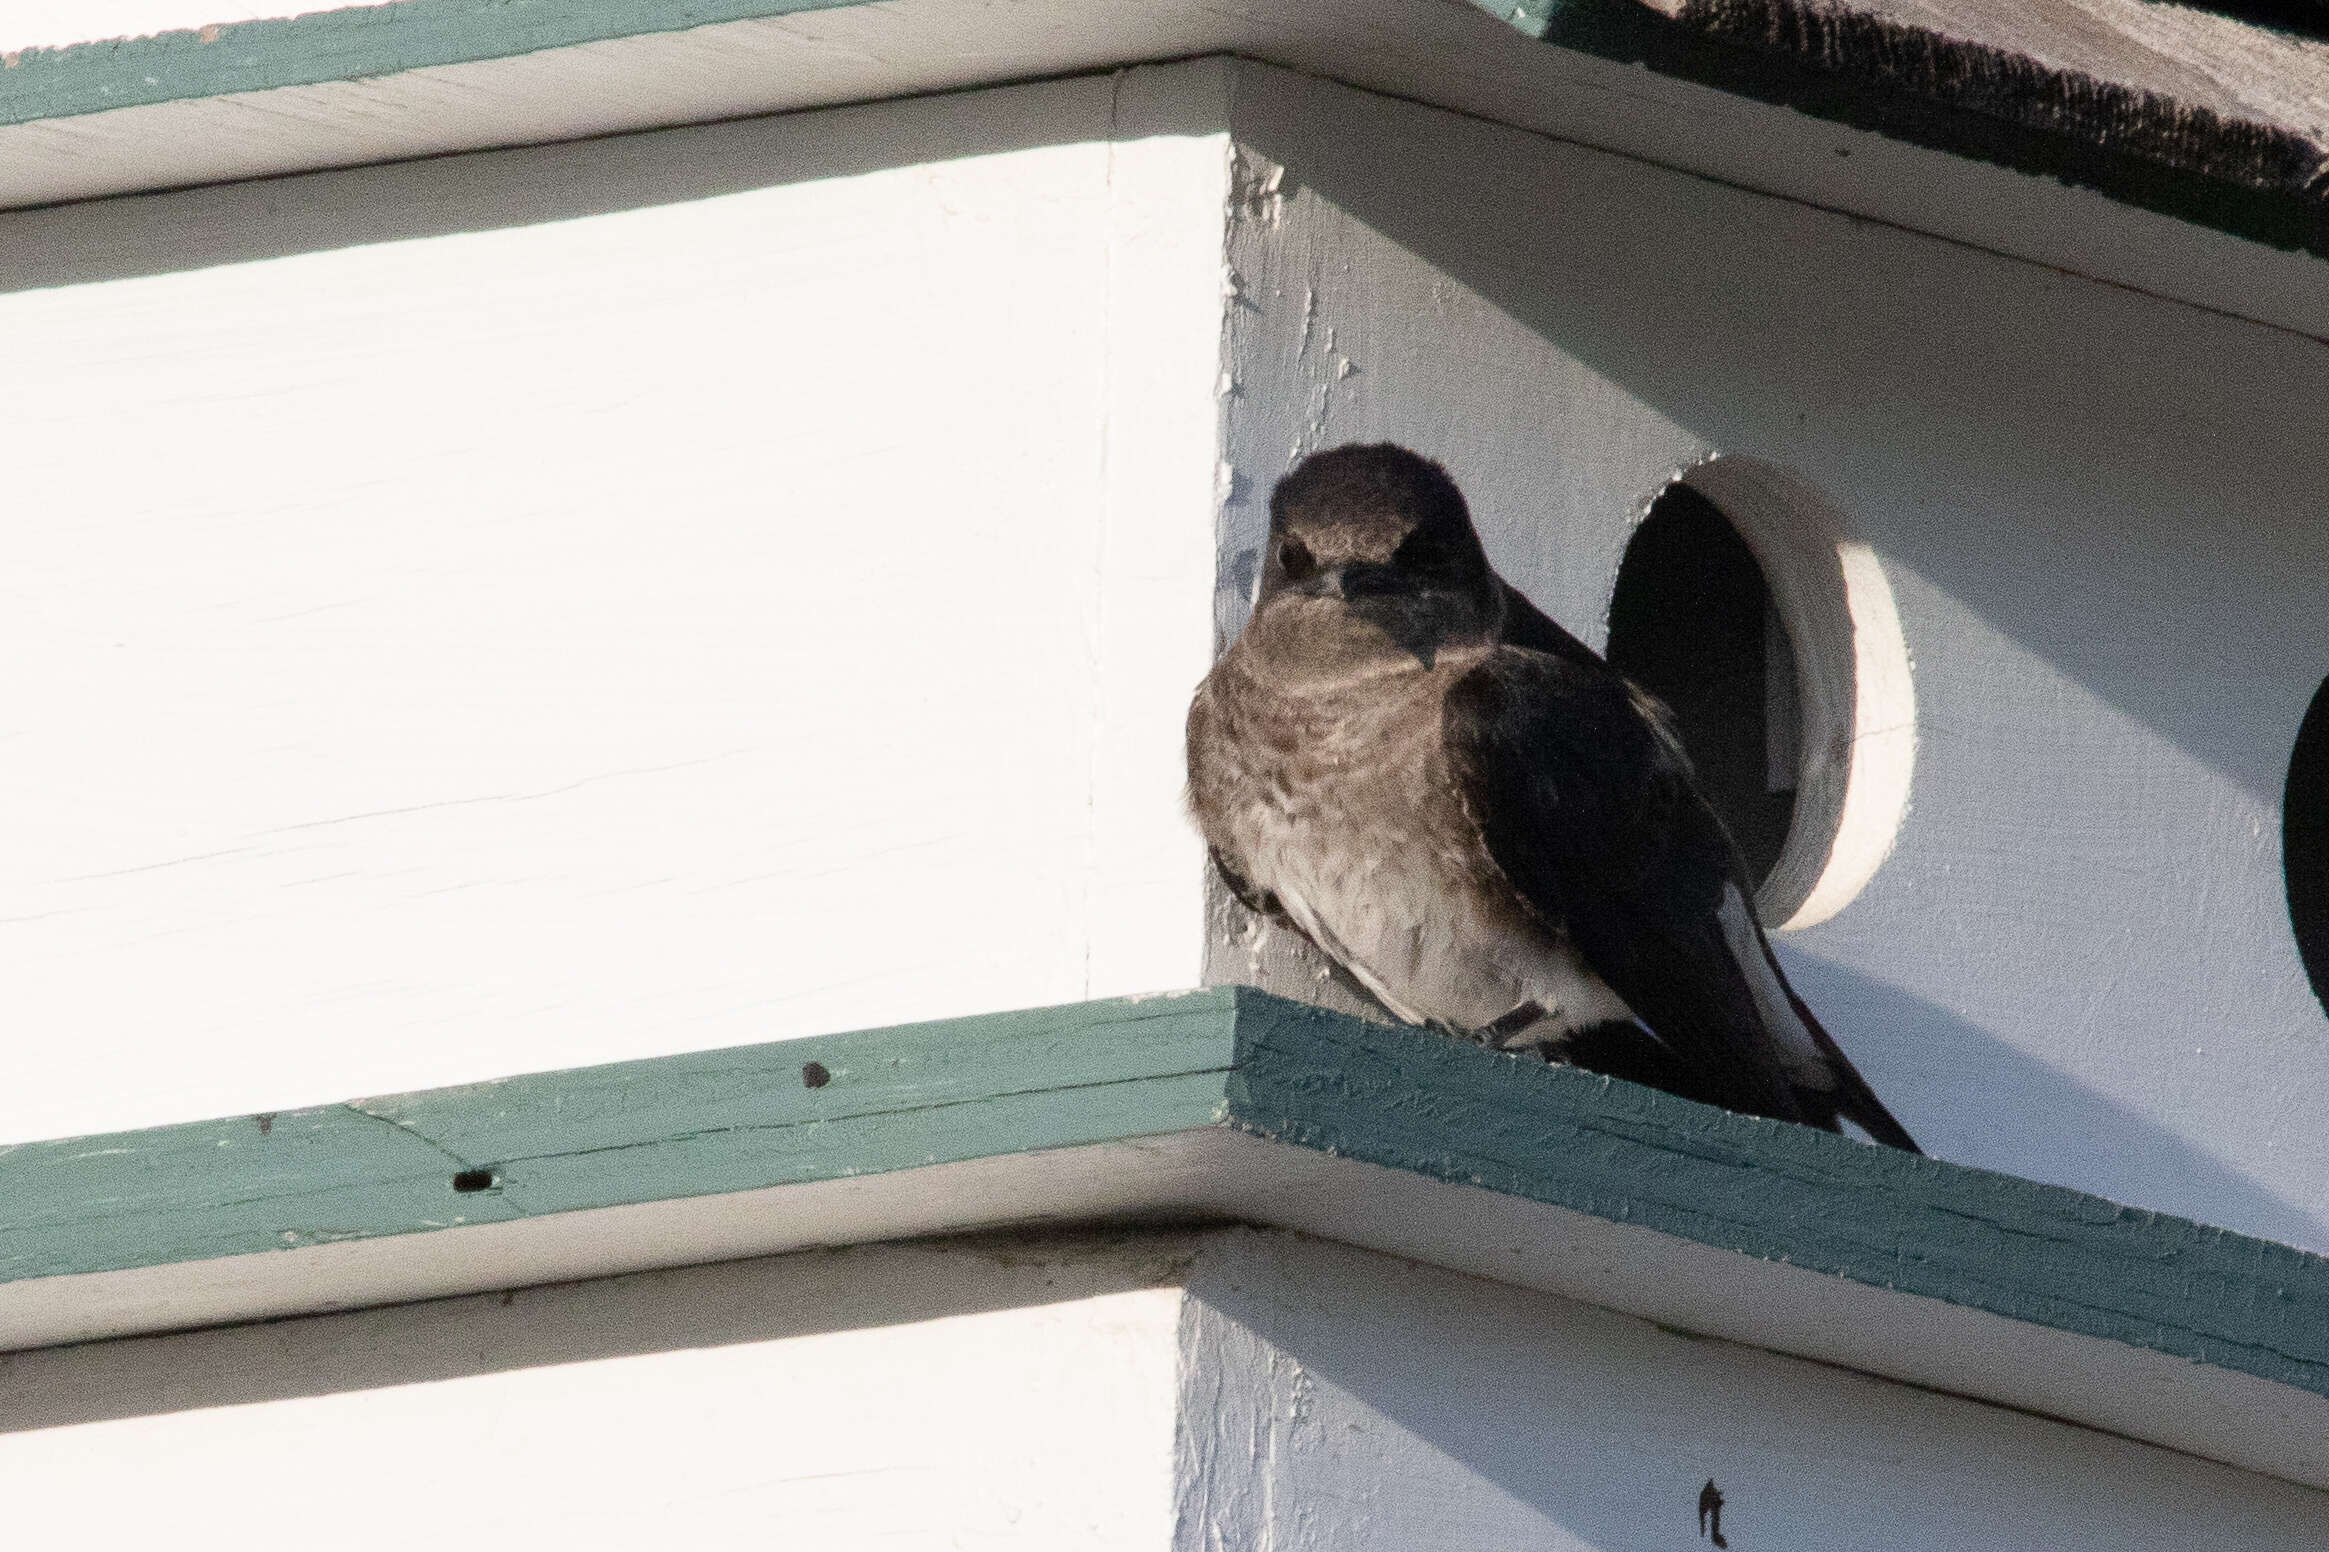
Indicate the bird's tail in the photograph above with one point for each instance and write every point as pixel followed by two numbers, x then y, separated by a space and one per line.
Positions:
pixel 1853 1099
pixel 1818 1076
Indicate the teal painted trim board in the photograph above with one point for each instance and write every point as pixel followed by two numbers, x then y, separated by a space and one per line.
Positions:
pixel 342 45
pixel 832 1107
pixel 1998 1243
pixel 673 1127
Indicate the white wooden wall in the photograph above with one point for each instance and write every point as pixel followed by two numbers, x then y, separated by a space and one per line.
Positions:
pixel 520 610
pixel 523 610
pixel 1334 1400
pixel 914 1397
pixel 2099 515
pixel 1228 1390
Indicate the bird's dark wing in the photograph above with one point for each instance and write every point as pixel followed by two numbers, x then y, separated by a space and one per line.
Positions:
pixel 1525 625
pixel 1849 1096
pixel 1587 807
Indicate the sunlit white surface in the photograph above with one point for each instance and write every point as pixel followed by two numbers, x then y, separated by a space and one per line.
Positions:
pixel 652 630
pixel 59 23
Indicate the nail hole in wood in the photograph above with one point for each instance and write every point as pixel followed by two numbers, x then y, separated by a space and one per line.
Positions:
pixel 473 1180
pixel 814 1075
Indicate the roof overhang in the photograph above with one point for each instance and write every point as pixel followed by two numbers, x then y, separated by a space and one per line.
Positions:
pixel 2195 109
pixel 1220 1104
pixel 1896 119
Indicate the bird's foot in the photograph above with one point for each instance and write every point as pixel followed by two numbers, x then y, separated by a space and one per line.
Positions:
pixel 1511 1032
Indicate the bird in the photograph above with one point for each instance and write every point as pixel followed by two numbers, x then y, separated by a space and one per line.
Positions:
pixel 1480 821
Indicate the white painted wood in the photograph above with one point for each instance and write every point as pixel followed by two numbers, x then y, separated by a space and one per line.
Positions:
pixel 1220 1389
pixel 1334 1399
pixel 2074 965
pixel 1447 52
pixel 2089 505
pixel 673 619
pixel 1161 453
pixel 2231 1418
pixel 937 1396
pixel 1210 1175
pixel 1852 687
pixel 2091 508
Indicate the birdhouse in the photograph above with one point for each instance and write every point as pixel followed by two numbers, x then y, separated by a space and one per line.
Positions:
pixel 625 578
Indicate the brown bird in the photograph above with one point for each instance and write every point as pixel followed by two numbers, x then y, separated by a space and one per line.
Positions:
pixel 1490 829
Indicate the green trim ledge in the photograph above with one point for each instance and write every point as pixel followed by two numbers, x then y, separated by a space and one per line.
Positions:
pixel 837 1106
pixel 350 44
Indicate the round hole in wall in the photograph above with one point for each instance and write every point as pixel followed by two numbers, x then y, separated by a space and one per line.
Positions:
pixel 1692 622
pixel 1744 603
pixel 2304 842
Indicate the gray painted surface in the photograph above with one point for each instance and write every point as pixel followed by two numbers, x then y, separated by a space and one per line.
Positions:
pixel 1205 1390
pixel 983 1394
pixel 1337 1399
pixel 2098 511
pixel 766 1298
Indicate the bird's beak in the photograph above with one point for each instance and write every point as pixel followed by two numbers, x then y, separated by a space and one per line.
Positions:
pixel 1358 579
pixel 1365 579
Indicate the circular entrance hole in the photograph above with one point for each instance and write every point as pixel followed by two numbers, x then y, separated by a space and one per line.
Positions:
pixel 1692 623
pixel 1744 604
pixel 2304 842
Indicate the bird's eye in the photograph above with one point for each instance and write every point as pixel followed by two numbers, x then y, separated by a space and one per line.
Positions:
pixel 1294 559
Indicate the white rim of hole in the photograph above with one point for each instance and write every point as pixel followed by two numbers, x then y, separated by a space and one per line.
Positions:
pixel 1856 696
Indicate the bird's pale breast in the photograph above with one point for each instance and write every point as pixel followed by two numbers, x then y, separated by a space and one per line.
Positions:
pixel 1334 795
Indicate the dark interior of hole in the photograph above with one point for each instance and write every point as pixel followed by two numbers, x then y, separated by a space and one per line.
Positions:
pixel 1691 622
pixel 2304 842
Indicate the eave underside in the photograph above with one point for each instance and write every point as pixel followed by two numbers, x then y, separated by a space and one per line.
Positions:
pixel 1215 1106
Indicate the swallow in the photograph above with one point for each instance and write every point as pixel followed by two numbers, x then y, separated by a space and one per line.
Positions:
pixel 1491 830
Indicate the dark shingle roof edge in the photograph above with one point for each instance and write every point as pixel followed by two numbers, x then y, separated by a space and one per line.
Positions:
pixel 1851 64
pixel 350 43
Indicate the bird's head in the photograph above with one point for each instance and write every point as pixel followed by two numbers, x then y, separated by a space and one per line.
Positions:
pixel 1387 534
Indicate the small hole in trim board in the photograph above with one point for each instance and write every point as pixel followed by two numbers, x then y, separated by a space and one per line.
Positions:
pixel 473 1180
pixel 2304 842
pixel 814 1075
